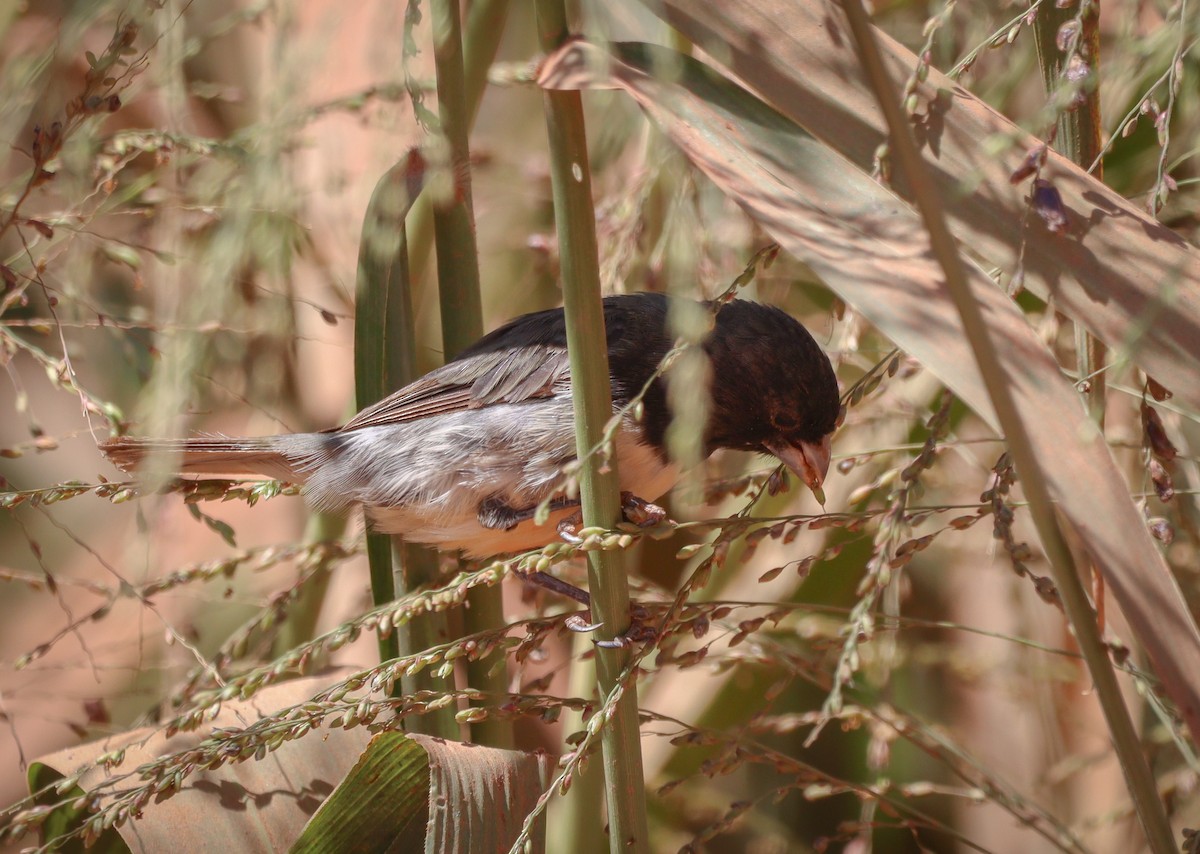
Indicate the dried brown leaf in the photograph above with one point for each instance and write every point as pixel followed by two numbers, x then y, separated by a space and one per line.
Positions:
pixel 862 240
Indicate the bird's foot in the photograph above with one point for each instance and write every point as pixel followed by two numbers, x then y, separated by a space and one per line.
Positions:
pixel 636 511
pixel 640 511
pixel 639 629
pixel 579 624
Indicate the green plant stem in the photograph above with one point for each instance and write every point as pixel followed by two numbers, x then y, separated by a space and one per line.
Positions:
pixel 1077 137
pixel 453 221
pixel 575 221
pixel 462 313
pixel 485 26
pixel 382 313
pixel 385 360
pixel 1138 776
pixel 1078 129
pixel 572 824
pixel 383 589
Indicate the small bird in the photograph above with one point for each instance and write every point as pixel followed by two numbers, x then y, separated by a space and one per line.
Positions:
pixel 461 458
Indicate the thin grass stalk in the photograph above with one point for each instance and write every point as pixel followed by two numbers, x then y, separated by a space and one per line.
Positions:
pixel 1077 136
pixel 385 360
pixel 301 624
pixel 1138 777
pixel 462 312
pixel 575 222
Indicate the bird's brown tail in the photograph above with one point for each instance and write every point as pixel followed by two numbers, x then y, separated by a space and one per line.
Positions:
pixel 217 455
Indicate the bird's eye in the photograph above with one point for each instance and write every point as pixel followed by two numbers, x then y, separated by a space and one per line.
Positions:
pixel 784 422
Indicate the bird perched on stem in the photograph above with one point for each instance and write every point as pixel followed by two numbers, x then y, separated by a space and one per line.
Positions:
pixel 462 458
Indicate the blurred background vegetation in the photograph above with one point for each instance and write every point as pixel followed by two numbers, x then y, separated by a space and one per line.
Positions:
pixel 185 261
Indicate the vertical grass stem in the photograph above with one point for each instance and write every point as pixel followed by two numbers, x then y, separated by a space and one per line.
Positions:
pixel 575 220
pixel 462 313
pixel 1138 776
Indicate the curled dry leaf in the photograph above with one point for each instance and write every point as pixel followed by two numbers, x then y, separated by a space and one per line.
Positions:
pixel 1157 390
pixel 1156 435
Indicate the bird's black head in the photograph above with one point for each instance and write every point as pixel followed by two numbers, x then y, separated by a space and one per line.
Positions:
pixel 773 389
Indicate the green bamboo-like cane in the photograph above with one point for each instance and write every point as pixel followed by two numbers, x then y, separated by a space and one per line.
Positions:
pixel 462 314
pixel 1078 138
pixel 1138 776
pixel 453 219
pixel 1078 133
pixel 485 25
pixel 385 360
pixel 575 221
pixel 571 823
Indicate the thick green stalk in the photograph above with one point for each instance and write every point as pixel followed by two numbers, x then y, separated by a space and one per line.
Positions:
pixel 385 360
pixel 417 566
pixel 1078 138
pixel 485 26
pixel 1138 776
pixel 453 219
pixel 462 314
pixel 575 221
pixel 572 819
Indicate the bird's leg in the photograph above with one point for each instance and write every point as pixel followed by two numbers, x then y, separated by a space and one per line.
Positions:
pixel 638 629
pixel 557 585
pixel 575 622
pixel 637 511
pixel 569 525
pixel 496 513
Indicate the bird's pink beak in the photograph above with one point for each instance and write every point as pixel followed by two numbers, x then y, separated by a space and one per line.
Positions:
pixel 809 461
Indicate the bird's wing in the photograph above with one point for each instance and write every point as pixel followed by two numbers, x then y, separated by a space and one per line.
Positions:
pixel 526 359
pixel 483 379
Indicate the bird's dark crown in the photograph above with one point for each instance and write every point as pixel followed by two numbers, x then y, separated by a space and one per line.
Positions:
pixel 771 380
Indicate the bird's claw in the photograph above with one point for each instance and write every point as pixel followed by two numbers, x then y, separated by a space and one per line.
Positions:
pixel 639 630
pixel 619 642
pixel 641 512
pixel 568 526
pixel 577 623
pixel 636 511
